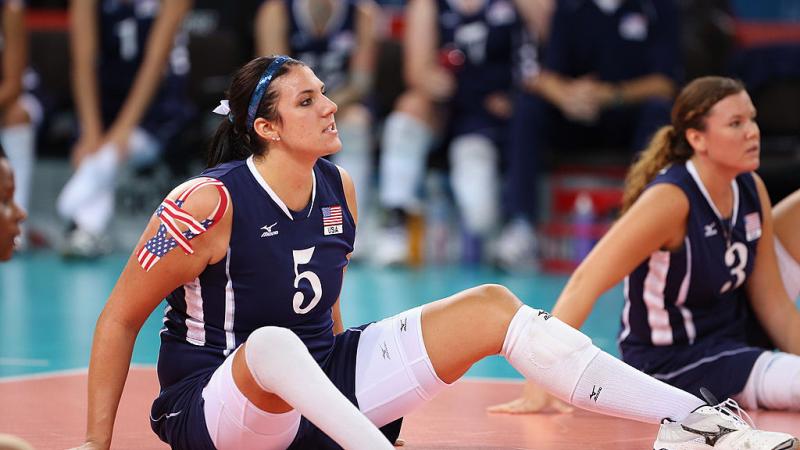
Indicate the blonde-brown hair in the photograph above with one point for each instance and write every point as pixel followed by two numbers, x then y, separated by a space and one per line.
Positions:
pixel 669 144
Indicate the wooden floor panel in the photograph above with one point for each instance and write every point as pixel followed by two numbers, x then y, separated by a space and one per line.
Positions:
pixel 50 412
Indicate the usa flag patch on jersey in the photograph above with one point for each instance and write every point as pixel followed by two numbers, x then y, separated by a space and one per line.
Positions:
pixel 752 226
pixel 332 220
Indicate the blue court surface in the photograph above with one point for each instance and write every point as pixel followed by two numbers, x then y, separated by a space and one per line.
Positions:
pixel 49 307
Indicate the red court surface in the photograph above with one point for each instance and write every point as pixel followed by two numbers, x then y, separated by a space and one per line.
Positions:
pixel 49 411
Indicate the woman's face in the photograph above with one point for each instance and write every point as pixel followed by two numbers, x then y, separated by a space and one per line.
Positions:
pixel 731 138
pixel 11 215
pixel 307 122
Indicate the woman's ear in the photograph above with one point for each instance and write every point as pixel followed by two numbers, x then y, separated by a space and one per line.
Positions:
pixel 696 139
pixel 266 130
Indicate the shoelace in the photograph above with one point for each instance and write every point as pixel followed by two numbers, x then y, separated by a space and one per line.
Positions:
pixel 732 411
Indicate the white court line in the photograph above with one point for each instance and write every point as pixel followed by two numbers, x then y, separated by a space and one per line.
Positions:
pixel 27 362
pixel 62 373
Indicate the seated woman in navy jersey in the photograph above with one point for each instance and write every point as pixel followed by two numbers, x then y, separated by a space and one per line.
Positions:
pixel 253 350
pixel 695 246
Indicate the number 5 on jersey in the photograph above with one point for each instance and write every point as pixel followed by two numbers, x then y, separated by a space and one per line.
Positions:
pixel 302 257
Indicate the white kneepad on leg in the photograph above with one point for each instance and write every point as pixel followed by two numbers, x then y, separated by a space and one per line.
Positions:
pixel 548 351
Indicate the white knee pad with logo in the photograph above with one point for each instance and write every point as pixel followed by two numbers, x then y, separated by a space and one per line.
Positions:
pixel 548 351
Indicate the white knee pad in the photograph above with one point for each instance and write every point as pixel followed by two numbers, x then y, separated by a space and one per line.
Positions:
pixel 790 271
pixel 774 383
pixel 233 422
pixel 476 181
pixel 394 374
pixel 405 146
pixel 548 351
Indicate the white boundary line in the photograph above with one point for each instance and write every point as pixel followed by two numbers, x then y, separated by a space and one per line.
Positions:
pixel 61 373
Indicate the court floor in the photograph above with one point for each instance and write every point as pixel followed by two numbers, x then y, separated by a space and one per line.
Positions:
pixel 48 308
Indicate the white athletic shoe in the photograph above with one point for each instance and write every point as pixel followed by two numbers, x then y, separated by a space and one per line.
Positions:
pixel 720 428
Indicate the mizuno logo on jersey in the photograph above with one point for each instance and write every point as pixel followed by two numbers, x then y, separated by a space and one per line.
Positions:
pixel 710 229
pixel 268 231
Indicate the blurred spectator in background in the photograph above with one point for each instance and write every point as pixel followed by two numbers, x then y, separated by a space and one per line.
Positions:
pixel 607 82
pixel 461 61
pixel 19 109
pixel 130 65
pixel 337 39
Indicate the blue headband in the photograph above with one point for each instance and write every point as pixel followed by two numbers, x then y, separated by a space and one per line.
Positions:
pixel 261 87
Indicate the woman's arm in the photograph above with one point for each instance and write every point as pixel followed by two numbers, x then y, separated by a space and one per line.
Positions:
pixel 83 45
pixel 420 61
pixel 657 220
pixel 775 310
pixel 133 298
pixel 786 223
pixel 15 52
pixel 271 30
pixel 537 15
pixel 350 196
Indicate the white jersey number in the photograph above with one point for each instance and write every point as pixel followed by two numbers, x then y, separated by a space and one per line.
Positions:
pixel 127 32
pixel 740 250
pixel 304 257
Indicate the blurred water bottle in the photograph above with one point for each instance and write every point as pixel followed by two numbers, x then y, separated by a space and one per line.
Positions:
pixel 583 218
pixel 438 218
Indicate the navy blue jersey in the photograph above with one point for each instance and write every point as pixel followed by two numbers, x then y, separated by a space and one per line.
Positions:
pixel 327 54
pixel 491 40
pixel 124 27
pixel 639 38
pixel 497 51
pixel 696 292
pixel 283 268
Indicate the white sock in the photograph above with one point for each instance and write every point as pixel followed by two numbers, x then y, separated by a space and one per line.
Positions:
pixel 406 142
pixel 475 178
pixel 281 364
pixel 356 159
pixel 19 143
pixel 564 361
pixel 96 174
pixel 774 383
pixel 95 216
